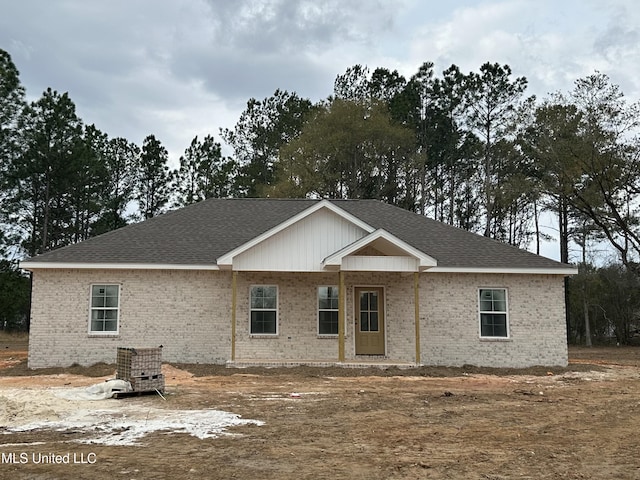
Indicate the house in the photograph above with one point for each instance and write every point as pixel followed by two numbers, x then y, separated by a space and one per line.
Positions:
pixel 282 282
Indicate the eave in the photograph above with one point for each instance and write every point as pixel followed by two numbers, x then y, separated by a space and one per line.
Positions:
pixel 112 266
pixel 508 270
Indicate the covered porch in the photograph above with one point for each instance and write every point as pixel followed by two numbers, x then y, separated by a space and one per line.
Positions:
pixel 376 285
pixel 325 288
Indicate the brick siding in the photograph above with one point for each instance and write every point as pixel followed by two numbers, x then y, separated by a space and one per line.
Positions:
pixel 450 321
pixel 189 313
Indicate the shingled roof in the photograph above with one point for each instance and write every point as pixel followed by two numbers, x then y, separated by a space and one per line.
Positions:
pixel 198 234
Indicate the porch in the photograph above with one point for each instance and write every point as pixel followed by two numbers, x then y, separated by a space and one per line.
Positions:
pixel 381 363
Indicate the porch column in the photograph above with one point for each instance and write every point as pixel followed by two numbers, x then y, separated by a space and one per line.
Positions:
pixel 342 298
pixel 416 301
pixel 234 288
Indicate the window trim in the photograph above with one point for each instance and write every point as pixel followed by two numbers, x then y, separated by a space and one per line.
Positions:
pixel 276 309
pixel 103 333
pixel 318 310
pixel 505 313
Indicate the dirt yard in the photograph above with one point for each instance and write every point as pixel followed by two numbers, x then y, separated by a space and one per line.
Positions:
pixel 582 422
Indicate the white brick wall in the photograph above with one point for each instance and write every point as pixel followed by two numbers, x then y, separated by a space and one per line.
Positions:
pixel 185 311
pixel 297 337
pixel 188 312
pixel 450 323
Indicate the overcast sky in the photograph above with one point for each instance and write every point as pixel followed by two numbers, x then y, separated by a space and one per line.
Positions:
pixel 183 68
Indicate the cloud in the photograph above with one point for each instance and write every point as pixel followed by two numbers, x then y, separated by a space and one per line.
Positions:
pixel 295 26
pixel 551 43
pixel 172 68
pixel 616 46
pixel 177 69
pixel 258 46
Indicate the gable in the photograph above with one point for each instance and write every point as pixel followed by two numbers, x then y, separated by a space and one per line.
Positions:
pixel 302 245
pixel 379 251
pixel 381 247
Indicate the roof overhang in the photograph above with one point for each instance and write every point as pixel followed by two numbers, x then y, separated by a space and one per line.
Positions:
pixel 27 265
pixel 226 261
pixel 566 271
pixel 344 260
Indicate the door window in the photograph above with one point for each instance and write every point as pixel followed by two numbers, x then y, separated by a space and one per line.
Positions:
pixel 369 321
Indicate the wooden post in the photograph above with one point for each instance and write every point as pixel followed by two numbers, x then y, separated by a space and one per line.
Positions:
pixel 341 315
pixel 234 296
pixel 416 301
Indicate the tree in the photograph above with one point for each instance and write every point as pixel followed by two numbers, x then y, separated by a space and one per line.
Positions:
pixel 120 159
pixel 346 151
pixel 373 90
pixel 447 154
pixel 589 161
pixel 382 85
pixel 620 301
pixel 203 173
pixel 492 101
pixel 40 178
pixel 604 303
pixel 14 297
pixel 418 96
pixel 587 157
pixel 353 85
pixel 551 142
pixel 263 128
pixel 608 159
pixel 12 103
pixel 516 198
pixel 90 178
pixel 153 180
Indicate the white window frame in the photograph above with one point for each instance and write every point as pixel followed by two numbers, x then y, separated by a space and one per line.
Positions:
pixel 337 309
pixel 92 309
pixel 276 309
pixel 494 312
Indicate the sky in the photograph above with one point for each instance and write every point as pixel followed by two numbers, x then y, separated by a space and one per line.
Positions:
pixel 181 68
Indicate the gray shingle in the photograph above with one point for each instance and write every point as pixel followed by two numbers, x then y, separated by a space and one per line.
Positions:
pixel 200 233
pixel 450 246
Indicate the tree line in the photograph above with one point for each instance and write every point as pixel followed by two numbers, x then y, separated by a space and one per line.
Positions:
pixel 469 149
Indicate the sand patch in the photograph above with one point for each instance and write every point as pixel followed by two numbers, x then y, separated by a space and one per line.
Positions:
pixel 105 422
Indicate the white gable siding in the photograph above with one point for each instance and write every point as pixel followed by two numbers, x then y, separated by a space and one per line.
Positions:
pixel 302 246
pixel 380 264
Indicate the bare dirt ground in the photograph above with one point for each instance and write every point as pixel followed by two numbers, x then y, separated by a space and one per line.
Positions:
pixel 582 422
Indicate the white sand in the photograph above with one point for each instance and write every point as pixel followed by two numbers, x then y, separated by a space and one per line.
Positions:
pixel 110 422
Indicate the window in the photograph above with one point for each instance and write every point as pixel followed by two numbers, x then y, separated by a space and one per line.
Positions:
pixel 104 308
pixel 327 310
pixel 493 312
pixel 264 308
pixel 369 311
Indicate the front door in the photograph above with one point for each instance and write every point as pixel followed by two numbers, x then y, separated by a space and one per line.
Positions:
pixel 369 320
